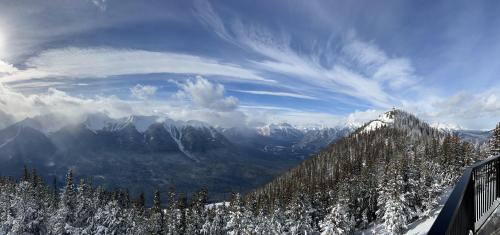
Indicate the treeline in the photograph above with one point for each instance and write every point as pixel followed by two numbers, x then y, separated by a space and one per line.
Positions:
pixel 29 206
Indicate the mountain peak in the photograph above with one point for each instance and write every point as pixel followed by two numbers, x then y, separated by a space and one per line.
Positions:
pixel 273 128
pixel 101 121
pixel 446 127
pixel 384 119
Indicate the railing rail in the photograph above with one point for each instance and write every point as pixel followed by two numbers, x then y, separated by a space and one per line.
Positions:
pixel 472 201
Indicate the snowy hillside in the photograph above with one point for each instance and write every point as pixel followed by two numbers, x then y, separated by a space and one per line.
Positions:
pixel 383 120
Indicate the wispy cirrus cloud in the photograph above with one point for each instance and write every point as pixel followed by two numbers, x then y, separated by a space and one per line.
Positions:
pixel 363 71
pixel 278 93
pixel 394 72
pixel 76 63
pixel 101 4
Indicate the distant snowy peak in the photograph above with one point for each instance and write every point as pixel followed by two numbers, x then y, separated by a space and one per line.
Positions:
pixel 174 124
pixel 100 121
pixel 281 129
pixel 352 125
pixel 384 119
pixel 141 123
pixel 446 127
pixel 274 129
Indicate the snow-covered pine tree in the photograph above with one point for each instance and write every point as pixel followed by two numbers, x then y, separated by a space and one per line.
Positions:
pixel 393 205
pixel 156 222
pixel 277 223
pixel 196 211
pixel 26 215
pixel 298 214
pixel 109 219
pixel 495 141
pixel 63 220
pixel 85 208
pixel 235 223
pixel 172 213
pixel 339 220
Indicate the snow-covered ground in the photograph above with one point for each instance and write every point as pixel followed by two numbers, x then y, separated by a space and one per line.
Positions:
pixel 418 227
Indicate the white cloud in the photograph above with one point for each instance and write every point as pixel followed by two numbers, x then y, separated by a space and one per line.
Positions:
pixel 58 102
pixel 364 53
pixel 470 110
pixel 276 93
pixel 306 69
pixel 6 68
pixel 204 101
pixel 361 69
pixel 361 117
pixel 101 4
pixel 143 92
pixel 261 115
pixel 396 72
pixel 206 14
pixel 75 62
pixel 205 94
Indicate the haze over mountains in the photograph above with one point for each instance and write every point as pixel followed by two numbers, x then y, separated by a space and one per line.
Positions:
pixel 145 152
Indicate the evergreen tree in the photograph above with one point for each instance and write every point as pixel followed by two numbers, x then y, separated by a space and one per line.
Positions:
pixel 64 218
pixel 495 141
pixel 338 220
pixel 156 222
pixel 235 219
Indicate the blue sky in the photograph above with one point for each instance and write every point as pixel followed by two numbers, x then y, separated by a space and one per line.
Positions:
pixel 253 62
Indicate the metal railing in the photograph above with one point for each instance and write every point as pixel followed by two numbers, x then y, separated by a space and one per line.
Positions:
pixel 472 201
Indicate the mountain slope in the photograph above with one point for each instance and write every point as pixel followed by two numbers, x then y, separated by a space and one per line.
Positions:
pixel 20 145
pixel 124 153
pixel 390 171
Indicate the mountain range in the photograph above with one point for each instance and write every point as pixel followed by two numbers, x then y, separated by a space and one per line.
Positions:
pixel 142 153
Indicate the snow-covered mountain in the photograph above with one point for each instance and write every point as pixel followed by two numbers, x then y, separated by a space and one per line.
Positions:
pixel 384 119
pixel 159 151
pixel 166 151
pixel 473 136
pixel 45 123
pixel 283 130
pixel 101 121
pixel 447 127
pixel 286 139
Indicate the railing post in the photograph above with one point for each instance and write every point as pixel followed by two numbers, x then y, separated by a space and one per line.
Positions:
pixel 472 198
pixel 497 179
pixel 469 215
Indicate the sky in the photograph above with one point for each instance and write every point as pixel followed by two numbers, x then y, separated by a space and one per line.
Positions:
pixel 232 63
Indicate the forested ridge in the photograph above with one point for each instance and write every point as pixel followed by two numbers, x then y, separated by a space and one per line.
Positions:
pixel 391 175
